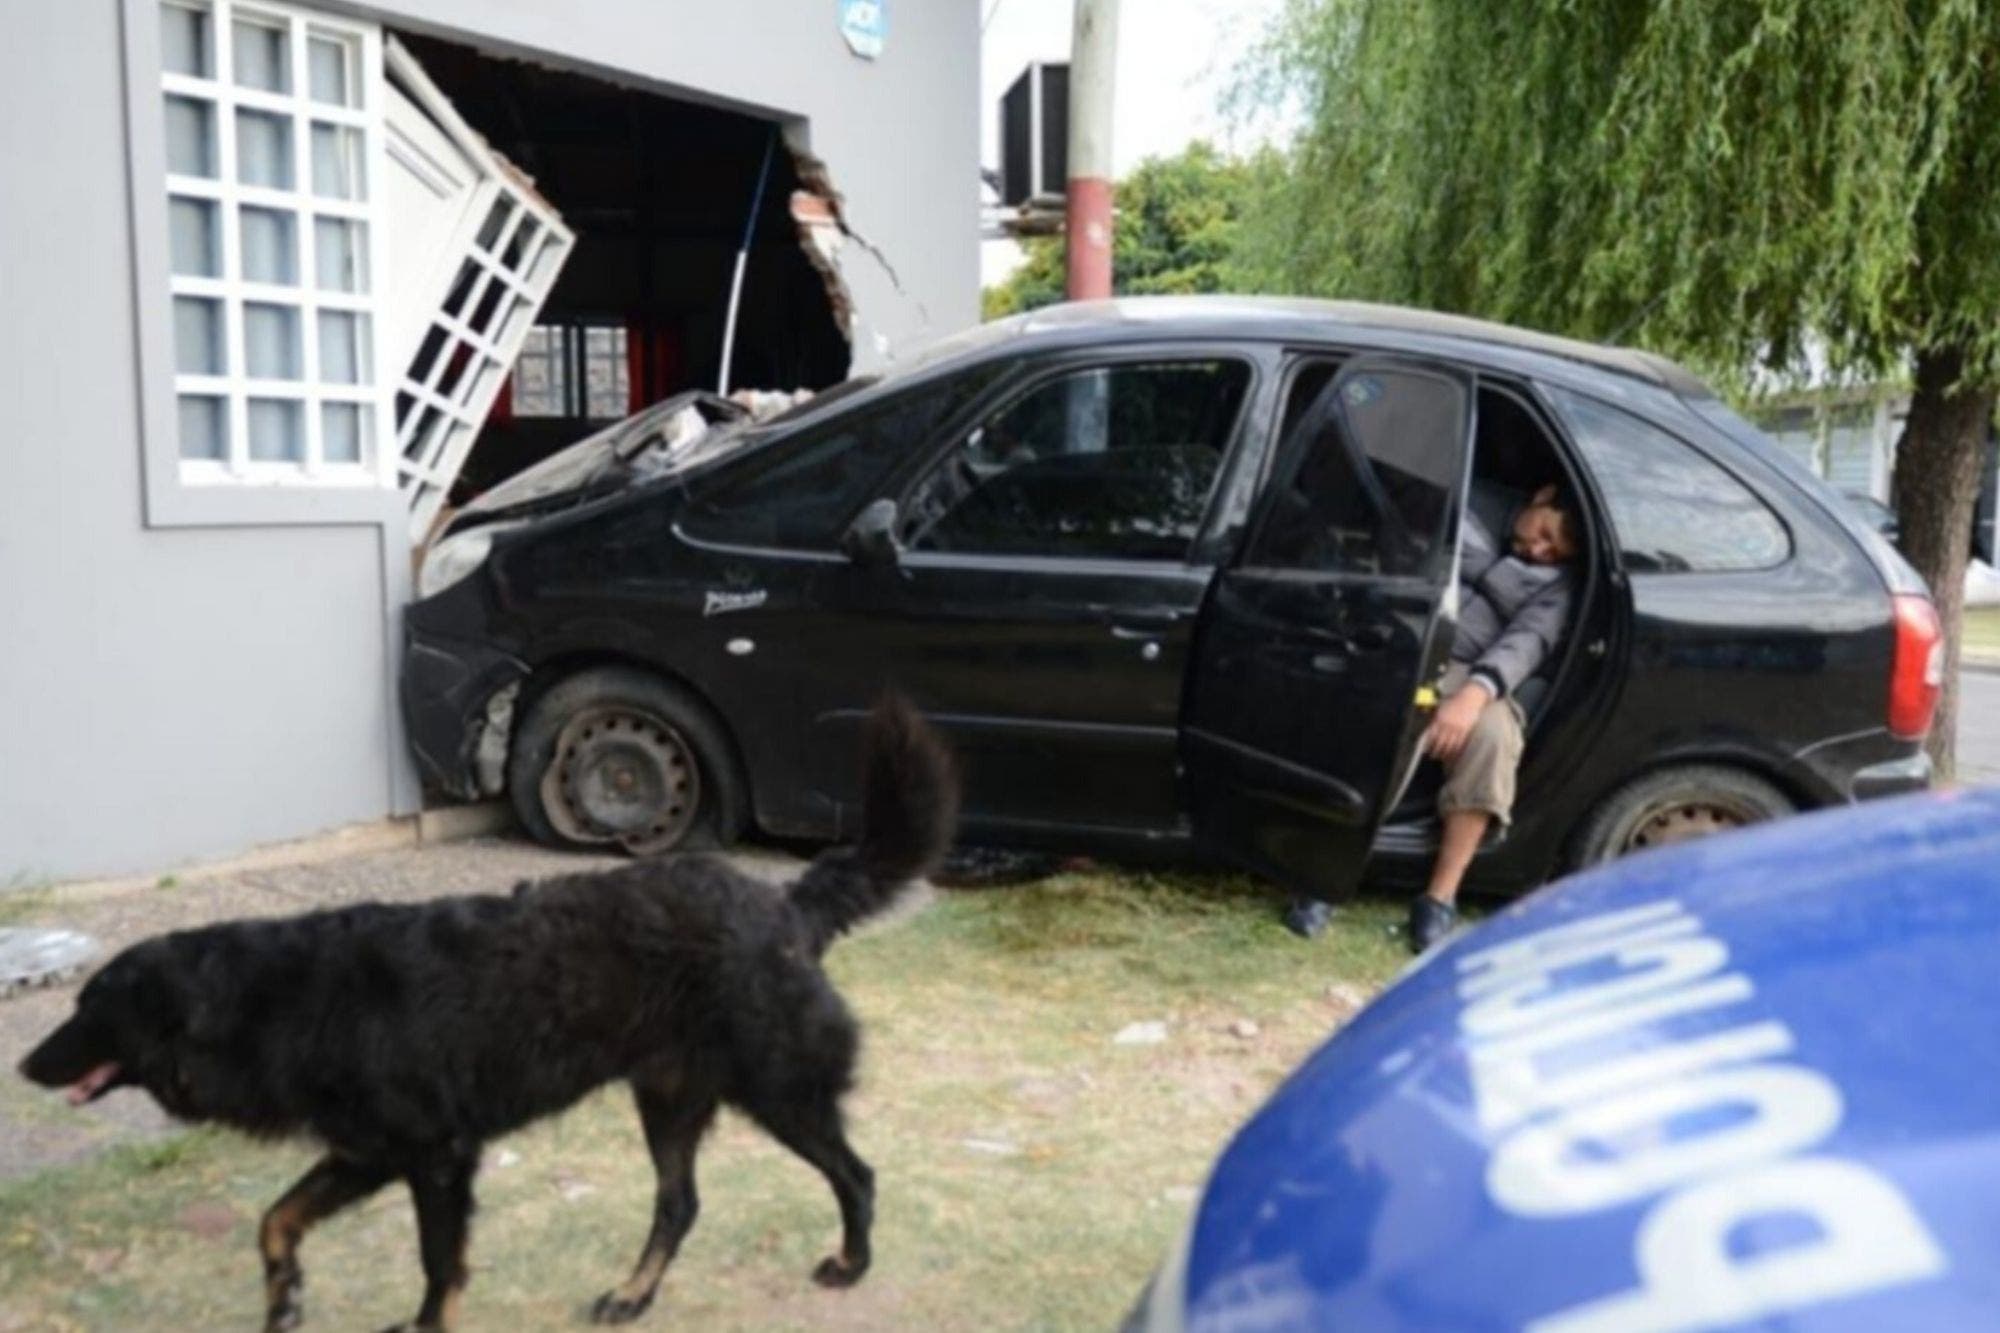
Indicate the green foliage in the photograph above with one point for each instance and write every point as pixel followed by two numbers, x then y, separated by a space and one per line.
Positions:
pixel 1723 182
pixel 1178 219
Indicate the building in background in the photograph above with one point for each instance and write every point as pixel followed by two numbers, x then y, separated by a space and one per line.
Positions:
pixel 284 281
pixel 1848 435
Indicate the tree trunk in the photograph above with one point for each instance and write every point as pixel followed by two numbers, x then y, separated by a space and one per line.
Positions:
pixel 1936 494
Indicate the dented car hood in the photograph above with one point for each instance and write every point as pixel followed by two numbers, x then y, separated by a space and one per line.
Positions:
pixel 1749 1081
pixel 671 436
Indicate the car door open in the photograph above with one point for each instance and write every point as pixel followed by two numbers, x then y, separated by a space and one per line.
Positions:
pixel 1302 721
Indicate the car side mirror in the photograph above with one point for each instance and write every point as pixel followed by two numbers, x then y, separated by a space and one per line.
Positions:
pixel 870 540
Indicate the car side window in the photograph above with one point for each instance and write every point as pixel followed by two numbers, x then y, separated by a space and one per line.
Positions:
pixel 1672 508
pixel 1369 462
pixel 797 490
pixel 1111 462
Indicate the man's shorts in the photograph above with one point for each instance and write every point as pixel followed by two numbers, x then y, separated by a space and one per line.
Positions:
pixel 1482 776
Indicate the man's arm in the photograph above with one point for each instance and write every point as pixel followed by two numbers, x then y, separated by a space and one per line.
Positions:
pixel 1526 642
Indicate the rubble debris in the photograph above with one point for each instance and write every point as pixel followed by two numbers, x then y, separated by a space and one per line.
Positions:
pixel 38 956
pixel 762 403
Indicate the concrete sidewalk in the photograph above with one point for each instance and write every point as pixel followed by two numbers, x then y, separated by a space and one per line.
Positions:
pixel 38 1130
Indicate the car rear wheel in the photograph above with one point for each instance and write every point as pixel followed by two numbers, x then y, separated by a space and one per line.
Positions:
pixel 1676 805
pixel 618 757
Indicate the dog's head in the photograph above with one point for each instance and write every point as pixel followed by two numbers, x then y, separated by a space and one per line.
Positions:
pixel 129 1024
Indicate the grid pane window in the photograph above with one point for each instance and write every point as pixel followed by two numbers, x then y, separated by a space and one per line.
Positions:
pixel 190 137
pixel 331 72
pixel 264 149
pixel 204 422
pixel 271 341
pixel 185 42
pixel 337 152
pixel 343 347
pixel 606 376
pixel 578 371
pixel 541 374
pixel 194 242
pixel 198 344
pixel 340 251
pixel 270 246
pixel 262 55
pixel 341 431
pixel 277 430
pixel 270 218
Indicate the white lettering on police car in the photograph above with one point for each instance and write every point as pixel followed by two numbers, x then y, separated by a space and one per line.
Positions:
pixel 1510 1085
pixel 1868 1238
pixel 1548 1169
pixel 1594 1111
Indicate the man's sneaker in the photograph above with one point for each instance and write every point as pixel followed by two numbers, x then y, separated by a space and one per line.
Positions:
pixel 1307 917
pixel 1430 921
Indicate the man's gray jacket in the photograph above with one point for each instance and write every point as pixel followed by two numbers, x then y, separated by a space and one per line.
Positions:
pixel 1511 614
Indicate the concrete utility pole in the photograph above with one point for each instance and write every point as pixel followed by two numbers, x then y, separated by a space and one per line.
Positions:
pixel 1093 66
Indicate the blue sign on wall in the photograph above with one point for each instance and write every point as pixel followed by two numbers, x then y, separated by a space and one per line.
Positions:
pixel 865 25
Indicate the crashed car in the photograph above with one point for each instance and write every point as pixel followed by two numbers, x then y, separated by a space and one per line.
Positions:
pixel 1176 576
pixel 1744 1083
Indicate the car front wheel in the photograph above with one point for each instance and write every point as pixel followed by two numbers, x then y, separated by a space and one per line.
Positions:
pixel 1676 805
pixel 618 757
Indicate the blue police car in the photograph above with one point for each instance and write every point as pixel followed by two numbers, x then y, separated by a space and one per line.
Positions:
pixel 1752 1081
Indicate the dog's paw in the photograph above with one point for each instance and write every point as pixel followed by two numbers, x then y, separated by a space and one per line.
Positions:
pixel 287 1311
pixel 835 1271
pixel 611 1308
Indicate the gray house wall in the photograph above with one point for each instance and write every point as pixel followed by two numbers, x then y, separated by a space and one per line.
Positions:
pixel 179 686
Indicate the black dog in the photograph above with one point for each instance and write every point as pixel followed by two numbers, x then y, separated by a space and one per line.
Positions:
pixel 404 1037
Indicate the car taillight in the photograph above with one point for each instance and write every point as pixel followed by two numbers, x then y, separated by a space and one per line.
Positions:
pixel 1917 677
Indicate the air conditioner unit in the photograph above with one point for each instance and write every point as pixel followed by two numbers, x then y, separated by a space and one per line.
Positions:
pixel 1034 135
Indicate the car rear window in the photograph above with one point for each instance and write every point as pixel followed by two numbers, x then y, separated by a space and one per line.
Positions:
pixel 1895 570
pixel 1672 507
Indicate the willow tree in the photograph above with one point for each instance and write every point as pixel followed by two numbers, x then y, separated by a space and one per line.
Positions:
pixel 1757 183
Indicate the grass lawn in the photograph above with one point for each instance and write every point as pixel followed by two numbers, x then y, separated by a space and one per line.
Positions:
pixel 1982 630
pixel 1030 1170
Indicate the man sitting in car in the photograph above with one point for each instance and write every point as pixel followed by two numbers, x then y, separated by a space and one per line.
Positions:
pixel 1514 604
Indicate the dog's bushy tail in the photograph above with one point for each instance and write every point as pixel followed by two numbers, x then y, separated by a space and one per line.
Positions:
pixel 909 813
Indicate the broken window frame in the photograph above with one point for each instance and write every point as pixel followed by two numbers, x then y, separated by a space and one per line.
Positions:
pixel 501 262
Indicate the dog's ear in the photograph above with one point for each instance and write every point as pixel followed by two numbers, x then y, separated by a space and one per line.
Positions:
pixel 200 994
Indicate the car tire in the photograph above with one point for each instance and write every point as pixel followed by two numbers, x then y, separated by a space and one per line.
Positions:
pixel 619 757
pixel 1675 805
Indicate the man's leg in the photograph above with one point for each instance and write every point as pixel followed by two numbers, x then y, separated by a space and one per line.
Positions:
pixel 1464 830
pixel 1478 789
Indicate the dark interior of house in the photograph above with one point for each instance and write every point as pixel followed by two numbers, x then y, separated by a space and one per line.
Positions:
pixel 659 192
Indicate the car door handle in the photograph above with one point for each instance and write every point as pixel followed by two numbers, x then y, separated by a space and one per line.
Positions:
pixel 1137 631
pixel 1371 639
pixel 1143 615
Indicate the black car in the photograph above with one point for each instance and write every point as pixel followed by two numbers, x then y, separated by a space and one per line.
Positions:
pixel 1876 515
pixel 1174 574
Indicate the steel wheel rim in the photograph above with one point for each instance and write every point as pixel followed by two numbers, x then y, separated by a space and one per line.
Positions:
pixel 620 774
pixel 1685 821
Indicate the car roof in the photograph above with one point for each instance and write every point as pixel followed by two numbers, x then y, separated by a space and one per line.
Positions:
pixel 1290 318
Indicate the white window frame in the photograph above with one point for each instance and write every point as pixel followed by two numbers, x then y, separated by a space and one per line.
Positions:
pixel 204 493
pixel 227 195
